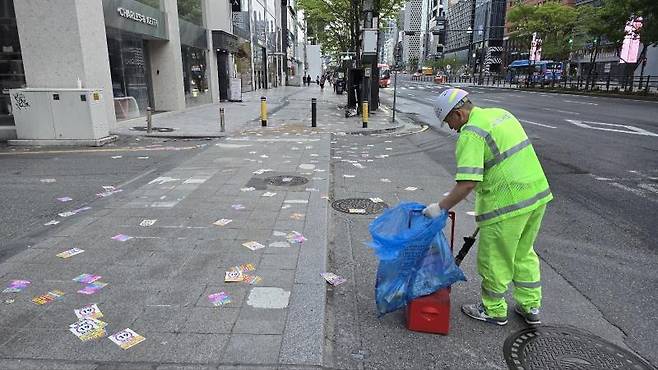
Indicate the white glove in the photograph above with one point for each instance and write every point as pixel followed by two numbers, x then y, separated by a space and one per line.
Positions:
pixel 432 211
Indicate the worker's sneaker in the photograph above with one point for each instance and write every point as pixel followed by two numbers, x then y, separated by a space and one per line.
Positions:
pixel 477 312
pixel 531 317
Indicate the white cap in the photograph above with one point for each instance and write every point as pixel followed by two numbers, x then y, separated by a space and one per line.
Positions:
pixel 446 101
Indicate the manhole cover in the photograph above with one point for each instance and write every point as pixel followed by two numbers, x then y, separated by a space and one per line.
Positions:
pixel 156 129
pixel 286 180
pixel 358 206
pixel 550 347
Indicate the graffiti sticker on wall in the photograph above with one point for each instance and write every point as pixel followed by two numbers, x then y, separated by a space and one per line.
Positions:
pixel 20 101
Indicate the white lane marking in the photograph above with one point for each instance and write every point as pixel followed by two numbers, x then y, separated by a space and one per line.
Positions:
pixel 491 100
pixel 560 111
pixel 579 102
pixel 637 192
pixel 629 129
pixel 537 124
pixel 650 187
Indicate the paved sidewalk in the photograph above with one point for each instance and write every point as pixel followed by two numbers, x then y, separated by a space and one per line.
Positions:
pixel 290 106
pixel 160 278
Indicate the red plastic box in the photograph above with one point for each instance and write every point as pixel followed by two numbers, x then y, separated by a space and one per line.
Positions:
pixel 430 313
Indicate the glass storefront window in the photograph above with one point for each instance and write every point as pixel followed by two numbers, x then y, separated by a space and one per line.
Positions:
pixel 152 3
pixel 12 74
pixel 129 72
pixel 195 76
pixel 190 10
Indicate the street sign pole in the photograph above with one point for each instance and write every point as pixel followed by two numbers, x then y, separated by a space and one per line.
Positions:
pixel 395 90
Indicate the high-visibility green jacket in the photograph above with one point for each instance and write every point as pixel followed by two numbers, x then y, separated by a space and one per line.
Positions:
pixel 494 150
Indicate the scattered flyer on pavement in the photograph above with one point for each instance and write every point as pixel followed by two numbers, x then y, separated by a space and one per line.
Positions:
pixel 70 252
pixel 376 200
pixel 332 278
pixel 238 207
pixel 147 222
pixel 295 237
pixel 86 278
pixel 65 199
pixel 88 312
pixel 252 279
pixel 245 267
pixel 92 288
pixel 126 338
pixel 47 181
pixel 385 180
pixel 16 286
pixel 297 216
pixel 48 297
pixel 253 245
pixel 88 329
pixel 247 189
pixel 222 222
pixel 50 223
pixel 122 237
pixel 268 194
pixel 233 276
pixel 219 299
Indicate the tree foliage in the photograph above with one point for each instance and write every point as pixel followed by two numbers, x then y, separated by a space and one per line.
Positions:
pixel 554 22
pixel 336 23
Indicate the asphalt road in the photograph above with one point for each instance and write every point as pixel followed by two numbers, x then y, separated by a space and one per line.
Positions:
pixel 28 201
pixel 600 156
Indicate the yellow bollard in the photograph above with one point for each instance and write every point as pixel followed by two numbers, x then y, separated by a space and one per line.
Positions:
pixel 263 111
pixel 364 114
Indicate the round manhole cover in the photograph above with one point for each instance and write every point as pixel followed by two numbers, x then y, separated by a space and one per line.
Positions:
pixel 155 129
pixel 359 206
pixel 286 180
pixel 551 347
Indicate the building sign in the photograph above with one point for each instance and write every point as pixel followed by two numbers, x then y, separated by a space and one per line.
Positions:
pixel 137 17
pixel 241 24
pixel 631 46
pixel 535 48
pixel 134 17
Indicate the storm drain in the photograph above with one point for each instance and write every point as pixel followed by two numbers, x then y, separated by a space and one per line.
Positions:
pixel 550 347
pixel 358 206
pixel 153 129
pixel 286 180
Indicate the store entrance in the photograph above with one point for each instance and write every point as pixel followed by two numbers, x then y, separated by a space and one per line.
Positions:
pixel 129 69
pixel 223 74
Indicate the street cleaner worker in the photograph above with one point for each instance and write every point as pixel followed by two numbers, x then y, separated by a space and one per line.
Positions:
pixel 495 157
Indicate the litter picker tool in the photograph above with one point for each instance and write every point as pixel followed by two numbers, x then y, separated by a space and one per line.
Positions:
pixel 468 243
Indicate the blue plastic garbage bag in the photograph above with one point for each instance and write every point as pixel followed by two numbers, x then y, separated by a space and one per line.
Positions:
pixel 414 256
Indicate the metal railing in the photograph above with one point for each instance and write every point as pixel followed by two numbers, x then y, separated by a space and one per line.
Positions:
pixel 622 84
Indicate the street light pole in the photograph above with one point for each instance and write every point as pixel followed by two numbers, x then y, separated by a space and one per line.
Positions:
pixel 484 40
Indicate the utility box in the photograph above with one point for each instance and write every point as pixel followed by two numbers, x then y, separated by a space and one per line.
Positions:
pixel 59 117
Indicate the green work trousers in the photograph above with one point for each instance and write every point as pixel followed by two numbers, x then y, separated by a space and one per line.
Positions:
pixel 505 255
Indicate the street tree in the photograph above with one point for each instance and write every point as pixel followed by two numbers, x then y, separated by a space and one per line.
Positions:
pixel 554 22
pixel 336 24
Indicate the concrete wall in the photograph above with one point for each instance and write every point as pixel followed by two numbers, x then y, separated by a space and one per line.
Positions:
pixel 220 15
pixel 63 41
pixel 314 58
pixel 167 64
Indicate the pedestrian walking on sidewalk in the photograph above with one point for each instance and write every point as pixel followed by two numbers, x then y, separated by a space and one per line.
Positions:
pixel 496 159
pixel 322 81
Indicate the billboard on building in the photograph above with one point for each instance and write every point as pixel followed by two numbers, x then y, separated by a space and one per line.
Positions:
pixel 631 46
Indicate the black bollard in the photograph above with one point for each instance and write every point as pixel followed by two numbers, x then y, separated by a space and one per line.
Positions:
pixel 314 112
